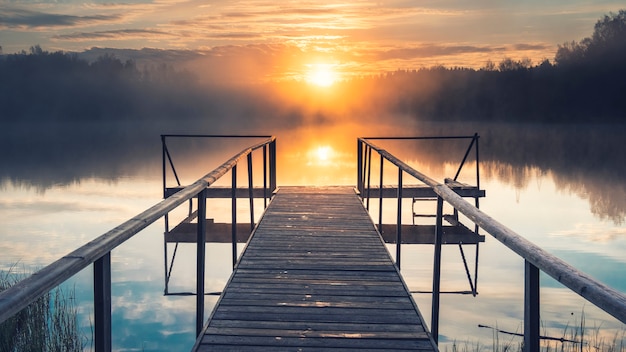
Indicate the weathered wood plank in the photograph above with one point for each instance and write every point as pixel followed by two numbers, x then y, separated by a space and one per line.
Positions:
pixel 318 315
pixel 348 341
pixel 315 275
pixel 237 348
pixel 345 342
pixel 319 289
pixel 314 333
pixel 423 191
pixel 347 327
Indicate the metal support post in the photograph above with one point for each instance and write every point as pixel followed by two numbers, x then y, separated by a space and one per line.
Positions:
pixel 233 207
pixel 273 165
pixel 369 173
pixel 250 190
pixel 264 176
pixel 434 325
pixel 531 307
pixel 399 221
pixel 359 167
pixel 163 170
pixel 102 303
pixel 200 258
pixel 380 194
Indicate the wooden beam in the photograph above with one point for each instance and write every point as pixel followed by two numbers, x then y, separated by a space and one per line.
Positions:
pixel 411 234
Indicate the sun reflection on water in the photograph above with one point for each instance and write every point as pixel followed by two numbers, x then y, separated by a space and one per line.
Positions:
pixel 321 155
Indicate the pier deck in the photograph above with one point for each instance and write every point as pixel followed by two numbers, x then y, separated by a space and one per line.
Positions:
pixel 315 276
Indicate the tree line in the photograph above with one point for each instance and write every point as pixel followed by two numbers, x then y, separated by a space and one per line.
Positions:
pixel 58 86
pixel 584 82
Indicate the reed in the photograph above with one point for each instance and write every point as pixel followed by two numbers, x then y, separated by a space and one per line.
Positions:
pixel 48 324
pixel 577 337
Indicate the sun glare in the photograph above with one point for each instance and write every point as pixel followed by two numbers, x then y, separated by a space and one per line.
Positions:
pixel 323 153
pixel 322 75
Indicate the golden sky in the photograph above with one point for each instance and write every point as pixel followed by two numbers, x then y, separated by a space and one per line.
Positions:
pixel 287 38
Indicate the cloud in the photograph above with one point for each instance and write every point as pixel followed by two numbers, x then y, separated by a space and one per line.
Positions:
pixel 120 34
pixel 315 11
pixel 532 47
pixel 50 206
pixel 431 50
pixel 235 36
pixel 593 232
pixel 16 18
pixel 297 23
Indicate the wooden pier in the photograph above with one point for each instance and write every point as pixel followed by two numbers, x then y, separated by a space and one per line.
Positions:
pixel 315 275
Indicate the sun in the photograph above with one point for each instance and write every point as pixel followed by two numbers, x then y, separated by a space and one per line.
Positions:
pixel 322 75
pixel 323 153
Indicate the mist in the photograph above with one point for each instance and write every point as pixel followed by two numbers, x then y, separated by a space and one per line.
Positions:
pixel 68 116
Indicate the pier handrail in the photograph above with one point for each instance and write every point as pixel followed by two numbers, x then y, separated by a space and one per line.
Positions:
pixel 28 290
pixel 608 299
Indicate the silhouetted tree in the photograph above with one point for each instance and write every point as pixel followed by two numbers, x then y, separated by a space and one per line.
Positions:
pixel 607 44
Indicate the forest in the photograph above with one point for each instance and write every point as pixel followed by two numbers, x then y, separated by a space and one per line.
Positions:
pixel 583 83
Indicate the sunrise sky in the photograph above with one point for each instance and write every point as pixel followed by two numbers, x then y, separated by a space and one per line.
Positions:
pixel 290 38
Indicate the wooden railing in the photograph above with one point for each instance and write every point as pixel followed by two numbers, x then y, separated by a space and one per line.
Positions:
pixel 536 258
pixel 98 251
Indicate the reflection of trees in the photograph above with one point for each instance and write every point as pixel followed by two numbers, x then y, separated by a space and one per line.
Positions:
pixel 587 160
pixel 44 155
pixel 606 195
pixel 518 176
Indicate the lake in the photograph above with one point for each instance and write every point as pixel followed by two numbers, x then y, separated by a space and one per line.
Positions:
pixel 561 187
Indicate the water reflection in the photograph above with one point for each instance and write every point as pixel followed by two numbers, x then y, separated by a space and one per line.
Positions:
pixel 56 195
pixel 587 160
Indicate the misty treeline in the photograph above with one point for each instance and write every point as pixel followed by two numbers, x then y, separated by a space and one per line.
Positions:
pixel 585 82
pixel 58 86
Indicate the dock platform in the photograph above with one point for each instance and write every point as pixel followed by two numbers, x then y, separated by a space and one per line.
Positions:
pixel 315 275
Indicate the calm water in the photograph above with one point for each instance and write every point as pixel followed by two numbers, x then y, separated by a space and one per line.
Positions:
pixel 557 187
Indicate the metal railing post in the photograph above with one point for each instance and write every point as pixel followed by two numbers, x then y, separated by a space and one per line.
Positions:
pixel 399 220
pixel 477 162
pixel 531 307
pixel 434 324
pixel 273 165
pixel 200 261
pixel 369 173
pixel 102 303
pixel 233 200
pixel 359 166
pixel 163 170
pixel 250 192
pixel 380 196
pixel 264 176
pixel 477 204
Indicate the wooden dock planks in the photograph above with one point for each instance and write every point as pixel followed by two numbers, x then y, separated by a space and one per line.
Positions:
pixel 315 276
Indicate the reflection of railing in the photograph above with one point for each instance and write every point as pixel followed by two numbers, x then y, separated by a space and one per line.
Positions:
pixel 536 259
pixel 455 233
pixel 364 169
pixel 269 165
pixel 99 250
